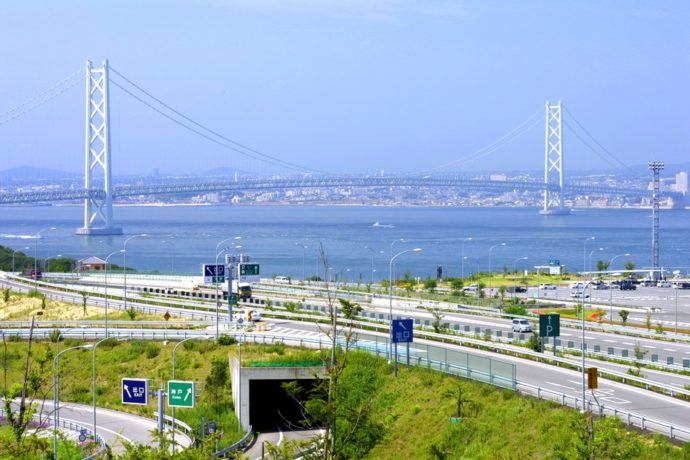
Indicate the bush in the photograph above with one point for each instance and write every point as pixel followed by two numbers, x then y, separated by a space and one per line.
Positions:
pixel 226 340
pixel 15 390
pixel 515 310
pixel 34 294
pixel 54 336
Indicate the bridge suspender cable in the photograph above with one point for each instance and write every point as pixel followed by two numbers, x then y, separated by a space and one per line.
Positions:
pixel 240 148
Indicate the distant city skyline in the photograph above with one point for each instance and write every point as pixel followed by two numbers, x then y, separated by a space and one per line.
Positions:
pixel 353 86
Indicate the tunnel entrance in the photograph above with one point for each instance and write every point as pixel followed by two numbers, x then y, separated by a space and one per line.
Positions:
pixel 271 407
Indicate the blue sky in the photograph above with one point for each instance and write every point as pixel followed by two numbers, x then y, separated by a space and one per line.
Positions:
pixel 352 85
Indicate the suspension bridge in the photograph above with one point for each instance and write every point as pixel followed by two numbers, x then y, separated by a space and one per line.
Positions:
pixel 99 192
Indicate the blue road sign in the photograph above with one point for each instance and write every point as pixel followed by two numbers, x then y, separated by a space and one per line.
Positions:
pixel 135 391
pixel 402 330
pixel 212 427
pixel 82 435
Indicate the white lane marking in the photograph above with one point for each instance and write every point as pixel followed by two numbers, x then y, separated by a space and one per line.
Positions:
pixel 648 346
pixel 610 341
pixel 670 349
pixel 559 385
pixel 628 343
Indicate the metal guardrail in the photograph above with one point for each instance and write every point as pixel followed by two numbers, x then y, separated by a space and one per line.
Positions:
pixel 238 445
pixel 71 425
pixel 630 418
pixel 177 425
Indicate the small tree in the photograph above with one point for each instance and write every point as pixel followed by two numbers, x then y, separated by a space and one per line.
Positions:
pixel 659 328
pixel 624 316
pixel 648 320
pixel 84 299
pixel 602 265
pixel 216 381
pixel 502 293
pixel 438 317
pixel 630 265
pixel 6 294
pixel 350 309
pixel 430 285
pixel 132 313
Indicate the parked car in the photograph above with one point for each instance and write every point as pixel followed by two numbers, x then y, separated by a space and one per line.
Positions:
pixel 663 284
pixel 681 285
pixel 521 325
pixel 600 285
pixel 577 285
pixel 471 288
pixel 547 287
pixel 649 283
pixel 627 285
pixel 579 294
pixel 516 289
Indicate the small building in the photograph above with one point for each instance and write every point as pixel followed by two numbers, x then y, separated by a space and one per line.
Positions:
pixel 92 263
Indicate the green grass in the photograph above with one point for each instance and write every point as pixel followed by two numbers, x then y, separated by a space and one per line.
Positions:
pixel 388 417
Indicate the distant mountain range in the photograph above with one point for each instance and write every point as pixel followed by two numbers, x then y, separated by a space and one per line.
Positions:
pixel 30 173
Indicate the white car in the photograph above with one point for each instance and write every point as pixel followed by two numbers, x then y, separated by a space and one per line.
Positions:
pixel 521 325
pixel 663 284
pixel 547 287
pixel 579 294
pixel 471 288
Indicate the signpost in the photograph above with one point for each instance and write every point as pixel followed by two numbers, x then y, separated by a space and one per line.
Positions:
pixel 212 427
pixel 213 273
pixel 135 391
pixel 181 393
pixel 402 333
pixel 82 435
pixel 249 269
pixel 550 326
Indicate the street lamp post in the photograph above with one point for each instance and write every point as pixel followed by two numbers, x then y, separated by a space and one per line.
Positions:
pixel 93 383
pixel 45 262
pixel 204 337
pixel 584 386
pixel 611 290
pixel 390 303
pixel 123 251
pixel 372 262
pixel 218 302
pixel 37 235
pixel 56 394
pixel 491 273
pixel 462 269
pixel 26 248
pixel 584 252
pixel 516 261
pixel 124 264
pixel 589 259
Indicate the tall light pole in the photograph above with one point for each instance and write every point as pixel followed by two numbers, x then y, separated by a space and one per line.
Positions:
pixel 93 383
pixel 462 269
pixel 584 252
pixel 516 261
pixel 589 265
pixel 123 251
pixel 390 301
pixel 203 337
pixel 124 263
pixel 45 261
pixel 37 235
pixel 26 248
pixel 491 273
pixel 56 393
pixel 627 254
pixel 584 386
pixel 219 251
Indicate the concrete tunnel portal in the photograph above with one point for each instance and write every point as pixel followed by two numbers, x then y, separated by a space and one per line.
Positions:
pixel 260 400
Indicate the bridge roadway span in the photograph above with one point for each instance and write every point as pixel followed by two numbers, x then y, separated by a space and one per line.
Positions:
pixel 312 182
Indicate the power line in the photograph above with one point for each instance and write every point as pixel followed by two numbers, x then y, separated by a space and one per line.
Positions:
pixel 257 154
pixel 598 154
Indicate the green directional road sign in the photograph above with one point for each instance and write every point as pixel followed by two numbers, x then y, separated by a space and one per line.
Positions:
pixel 549 325
pixel 181 393
pixel 249 269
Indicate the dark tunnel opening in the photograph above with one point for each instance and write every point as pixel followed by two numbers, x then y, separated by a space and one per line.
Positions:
pixel 270 407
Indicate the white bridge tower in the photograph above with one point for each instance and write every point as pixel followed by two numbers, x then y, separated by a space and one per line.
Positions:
pixel 553 161
pixel 98 212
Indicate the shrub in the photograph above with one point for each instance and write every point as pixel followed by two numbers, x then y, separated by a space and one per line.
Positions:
pixel 15 390
pixel 226 340
pixel 54 336
pixel 516 310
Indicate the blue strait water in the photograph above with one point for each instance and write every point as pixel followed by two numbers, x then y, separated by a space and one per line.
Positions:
pixel 180 239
